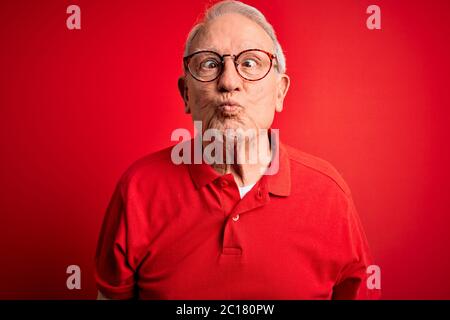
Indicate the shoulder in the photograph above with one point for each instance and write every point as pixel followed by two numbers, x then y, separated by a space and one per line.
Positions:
pixel 316 168
pixel 151 169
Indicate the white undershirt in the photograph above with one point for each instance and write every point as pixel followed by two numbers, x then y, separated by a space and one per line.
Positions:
pixel 243 190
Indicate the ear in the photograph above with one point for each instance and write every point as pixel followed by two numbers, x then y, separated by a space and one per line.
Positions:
pixel 282 89
pixel 182 88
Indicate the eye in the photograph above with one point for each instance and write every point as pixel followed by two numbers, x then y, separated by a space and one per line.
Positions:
pixel 249 63
pixel 209 64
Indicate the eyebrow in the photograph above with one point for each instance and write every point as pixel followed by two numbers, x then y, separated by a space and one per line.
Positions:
pixel 205 49
pixel 218 51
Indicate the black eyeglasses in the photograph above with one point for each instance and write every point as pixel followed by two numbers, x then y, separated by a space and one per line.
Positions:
pixel 251 64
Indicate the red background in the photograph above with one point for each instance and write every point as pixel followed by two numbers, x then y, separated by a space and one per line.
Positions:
pixel 78 106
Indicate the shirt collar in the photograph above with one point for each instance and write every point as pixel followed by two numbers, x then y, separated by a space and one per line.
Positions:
pixel 278 184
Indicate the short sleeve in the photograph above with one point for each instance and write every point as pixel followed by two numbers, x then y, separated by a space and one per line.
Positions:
pixel 352 280
pixel 115 277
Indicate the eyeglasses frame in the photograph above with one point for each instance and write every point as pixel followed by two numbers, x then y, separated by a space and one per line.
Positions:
pixel 188 58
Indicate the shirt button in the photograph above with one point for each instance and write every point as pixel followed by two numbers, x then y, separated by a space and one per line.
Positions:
pixel 223 183
pixel 236 218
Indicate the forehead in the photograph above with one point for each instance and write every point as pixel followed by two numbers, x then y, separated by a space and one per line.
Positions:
pixel 231 33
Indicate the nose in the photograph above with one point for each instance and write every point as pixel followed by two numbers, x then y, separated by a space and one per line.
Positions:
pixel 229 80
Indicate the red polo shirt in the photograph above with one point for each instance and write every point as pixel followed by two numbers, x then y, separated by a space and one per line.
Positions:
pixel 183 232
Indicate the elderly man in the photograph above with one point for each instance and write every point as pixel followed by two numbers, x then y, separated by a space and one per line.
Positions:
pixel 232 229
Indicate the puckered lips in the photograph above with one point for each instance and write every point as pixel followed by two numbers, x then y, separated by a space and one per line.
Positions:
pixel 229 108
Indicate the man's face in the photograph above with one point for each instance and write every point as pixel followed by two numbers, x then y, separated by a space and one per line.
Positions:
pixel 231 102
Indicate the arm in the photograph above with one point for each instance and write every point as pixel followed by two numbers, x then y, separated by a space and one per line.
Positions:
pixel 114 273
pixel 100 296
pixel 352 281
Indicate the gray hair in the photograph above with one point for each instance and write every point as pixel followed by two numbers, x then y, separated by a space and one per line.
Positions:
pixel 231 6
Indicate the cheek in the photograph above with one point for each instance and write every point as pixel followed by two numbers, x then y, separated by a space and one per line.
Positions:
pixel 198 95
pixel 200 98
pixel 262 102
pixel 262 98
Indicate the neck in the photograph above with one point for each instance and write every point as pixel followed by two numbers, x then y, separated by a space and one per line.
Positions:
pixel 244 170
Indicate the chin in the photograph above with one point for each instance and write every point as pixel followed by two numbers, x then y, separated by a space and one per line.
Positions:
pixel 231 125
